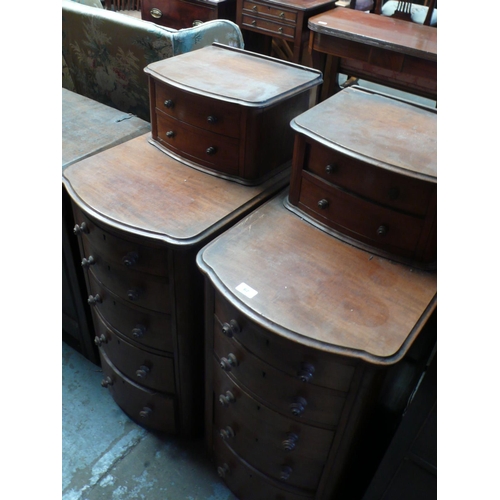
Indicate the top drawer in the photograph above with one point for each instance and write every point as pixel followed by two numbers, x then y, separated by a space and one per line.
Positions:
pixel 305 364
pixel 210 114
pixel 121 252
pixel 266 11
pixel 382 186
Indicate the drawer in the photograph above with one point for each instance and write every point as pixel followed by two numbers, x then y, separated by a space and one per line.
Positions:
pixel 267 440
pixel 204 112
pixel 356 217
pixel 154 410
pixel 287 395
pixel 382 186
pixel 145 368
pixel 124 254
pixel 211 150
pixel 267 11
pixel 177 14
pixel 247 483
pixel 308 364
pixel 149 328
pixel 269 27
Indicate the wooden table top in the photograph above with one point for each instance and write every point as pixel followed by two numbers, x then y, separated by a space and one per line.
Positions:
pixel 315 289
pixel 300 5
pixel 377 30
pixel 136 187
pixel 89 127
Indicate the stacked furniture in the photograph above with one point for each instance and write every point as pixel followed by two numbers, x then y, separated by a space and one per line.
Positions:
pixel 320 304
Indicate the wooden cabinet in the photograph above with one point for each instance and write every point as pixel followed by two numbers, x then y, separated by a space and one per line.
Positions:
pixel 179 14
pixel 141 217
pixel 369 174
pixel 232 121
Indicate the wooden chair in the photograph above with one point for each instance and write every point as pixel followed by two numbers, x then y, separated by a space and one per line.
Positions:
pixel 408 11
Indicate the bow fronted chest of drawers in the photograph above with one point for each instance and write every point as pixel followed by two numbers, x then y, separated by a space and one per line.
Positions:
pixel 226 111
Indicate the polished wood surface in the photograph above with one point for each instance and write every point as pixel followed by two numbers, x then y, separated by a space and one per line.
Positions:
pixel 382 49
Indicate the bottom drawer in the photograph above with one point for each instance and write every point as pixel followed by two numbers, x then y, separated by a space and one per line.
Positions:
pixel 246 482
pixel 153 410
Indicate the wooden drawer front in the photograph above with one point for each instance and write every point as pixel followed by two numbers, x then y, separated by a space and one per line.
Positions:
pixel 206 148
pixel 265 11
pixel 154 410
pixel 281 392
pixel 177 14
pixel 124 254
pixel 380 226
pixel 299 360
pixel 247 483
pixel 209 114
pixel 144 290
pixel 267 440
pixel 384 187
pixel 269 27
pixel 148 328
pixel 144 368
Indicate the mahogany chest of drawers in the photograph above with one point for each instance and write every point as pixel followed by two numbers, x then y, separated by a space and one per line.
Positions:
pixel 141 217
pixel 301 330
pixel 226 111
pixel 179 14
pixel 365 169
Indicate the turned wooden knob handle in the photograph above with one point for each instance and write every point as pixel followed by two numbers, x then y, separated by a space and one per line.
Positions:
pixel 227 364
pixel 87 262
pixel 130 259
pixel 170 134
pixel 169 103
pixel 133 294
pixel 290 442
pixel 285 472
pixel 298 406
pixel 227 433
pixel 94 299
pixel 82 228
pixel 226 399
pixel 138 331
pixel 223 470
pixel 211 150
pixel 212 119
pixel 99 340
pixel 145 412
pixel 324 203
pixel 231 328
pixel 331 168
pixel 142 371
pixel 106 382
pixel 382 230
pixel 306 372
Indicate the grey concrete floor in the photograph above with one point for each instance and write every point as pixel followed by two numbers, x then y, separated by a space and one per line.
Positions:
pixel 105 455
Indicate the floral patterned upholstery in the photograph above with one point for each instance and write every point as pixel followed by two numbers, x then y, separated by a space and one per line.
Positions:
pixel 105 52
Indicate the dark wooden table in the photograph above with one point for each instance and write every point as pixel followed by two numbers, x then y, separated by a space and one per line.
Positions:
pixel 384 50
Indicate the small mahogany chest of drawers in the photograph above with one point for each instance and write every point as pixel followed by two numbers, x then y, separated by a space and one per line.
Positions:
pixel 141 217
pixel 179 14
pixel 301 330
pixel 227 112
pixel 365 169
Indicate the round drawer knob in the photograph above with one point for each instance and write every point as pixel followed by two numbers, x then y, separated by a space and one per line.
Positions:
pixel 138 331
pixel 145 412
pixel 324 203
pixel 130 259
pixel 142 371
pixel 280 29
pixel 98 341
pixel 298 406
pixel 212 119
pixel 223 470
pixel 226 399
pixel 170 134
pixel 227 433
pixel 156 13
pixel 254 22
pixel 331 168
pixel 133 294
pixel 282 15
pixel 90 261
pixel 290 442
pixel 106 382
pixel 254 8
pixel 285 472
pixel 382 230
pixel 82 228
pixel 94 299
pixel 231 328
pixel 306 372
pixel 211 150
pixel 227 364
pixel 169 103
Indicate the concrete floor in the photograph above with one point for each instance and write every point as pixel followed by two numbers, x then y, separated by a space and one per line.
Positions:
pixel 105 455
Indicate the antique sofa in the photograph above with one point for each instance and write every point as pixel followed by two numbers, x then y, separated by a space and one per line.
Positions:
pixel 105 52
